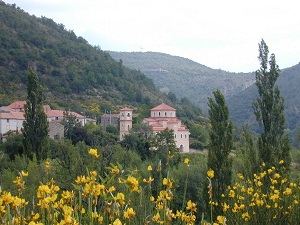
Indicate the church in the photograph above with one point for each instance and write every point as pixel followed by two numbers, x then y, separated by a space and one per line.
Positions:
pixel 162 117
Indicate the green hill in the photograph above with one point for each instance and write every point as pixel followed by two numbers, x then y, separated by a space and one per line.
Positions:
pixel 185 77
pixel 288 82
pixel 189 79
pixel 74 74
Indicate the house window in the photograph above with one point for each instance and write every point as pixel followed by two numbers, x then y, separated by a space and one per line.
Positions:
pixel 128 126
pixel 185 136
pixel 175 135
pixel 56 137
pixel 158 113
pixel 56 118
pixel 7 120
pixel 181 135
pixel 154 114
pixel 165 113
pixel 128 114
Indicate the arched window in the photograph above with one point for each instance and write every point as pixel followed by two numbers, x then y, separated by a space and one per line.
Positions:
pixel 128 114
pixel 128 126
pixel 165 113
pixel 158 113
pixel 181 135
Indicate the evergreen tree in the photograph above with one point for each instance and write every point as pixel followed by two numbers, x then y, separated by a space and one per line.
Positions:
pixel 35 126
pixel 273 144
pixel 220 145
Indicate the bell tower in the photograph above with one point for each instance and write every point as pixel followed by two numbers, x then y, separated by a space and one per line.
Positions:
pixel 125 122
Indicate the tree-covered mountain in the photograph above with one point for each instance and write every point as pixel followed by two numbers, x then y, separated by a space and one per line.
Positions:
pixel 288 83
pixel 74 74
pixel 189 79
pixel 185 77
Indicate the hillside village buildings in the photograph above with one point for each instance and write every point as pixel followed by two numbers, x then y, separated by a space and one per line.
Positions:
pixel 162 117
pixel 12 118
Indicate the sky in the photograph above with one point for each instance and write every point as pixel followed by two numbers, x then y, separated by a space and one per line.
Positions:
pixel 216 33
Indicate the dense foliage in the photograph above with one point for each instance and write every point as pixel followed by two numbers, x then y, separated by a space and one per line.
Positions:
pixel 35 127
pixel 184 77
pixel 273 144
pixel 220 145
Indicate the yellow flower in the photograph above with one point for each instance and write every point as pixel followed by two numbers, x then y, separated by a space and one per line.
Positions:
pixel 220 219
pixel 47 164
pixel 246 216
pixel 117 222
pixel 115 170
pixel 225 207
pixel 288 191
pixel 210 174
pixel 276 176
pixel 129 213
pixel 149 168
pixel 156 217
pixel 94 152
pixel 24 174
pixel 133 183
pixel 186 161
pixel 231 194
pixel 281 162
pixel 191 206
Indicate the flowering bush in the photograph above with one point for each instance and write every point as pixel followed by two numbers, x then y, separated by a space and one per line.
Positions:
pixel 267 198
pixel 117 198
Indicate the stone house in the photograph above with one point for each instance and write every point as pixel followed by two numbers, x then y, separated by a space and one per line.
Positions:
pixel 12 118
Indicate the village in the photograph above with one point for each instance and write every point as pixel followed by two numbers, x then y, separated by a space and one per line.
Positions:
pixel 162 117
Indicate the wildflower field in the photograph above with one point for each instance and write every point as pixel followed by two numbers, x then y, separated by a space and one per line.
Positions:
pixel 120 196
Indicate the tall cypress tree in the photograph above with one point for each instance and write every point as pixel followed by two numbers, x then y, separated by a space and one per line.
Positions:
pixel 273 144
pixel 35 127
pixel 221 143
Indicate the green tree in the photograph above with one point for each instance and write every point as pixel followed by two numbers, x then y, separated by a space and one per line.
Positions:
pixel 273 144
pixel 35 127
pixel 70 122
pixel 220 145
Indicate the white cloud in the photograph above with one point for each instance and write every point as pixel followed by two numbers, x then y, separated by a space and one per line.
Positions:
pixel 217 33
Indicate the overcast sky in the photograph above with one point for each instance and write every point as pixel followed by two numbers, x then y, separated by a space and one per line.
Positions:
pixel 219 34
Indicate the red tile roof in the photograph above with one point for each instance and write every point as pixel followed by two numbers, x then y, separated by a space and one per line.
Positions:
pixel 163 107
pixel 12 115
pixel 17 105
pixel 173 121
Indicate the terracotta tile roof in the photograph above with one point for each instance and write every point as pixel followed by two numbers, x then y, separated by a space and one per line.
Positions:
pixel 17 105
pixel 60 113
pixel 158 128
pixel 182 128
pixel 173 121
pixel 163 107
pixel 12 115
pixel 156 125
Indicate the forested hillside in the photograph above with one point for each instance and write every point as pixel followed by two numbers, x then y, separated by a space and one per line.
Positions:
pixel 185 77
pixel 74 74
pixel 288 82
pixel 196 82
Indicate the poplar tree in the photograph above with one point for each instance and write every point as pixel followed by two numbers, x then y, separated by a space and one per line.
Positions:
pixel 220 145
pixel 273 144
pixel 35 126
